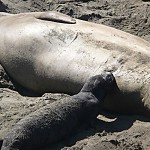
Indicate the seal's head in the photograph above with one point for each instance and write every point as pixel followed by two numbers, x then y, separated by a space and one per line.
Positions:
pixel 100 85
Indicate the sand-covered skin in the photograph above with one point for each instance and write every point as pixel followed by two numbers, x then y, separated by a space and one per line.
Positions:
pixel 125 132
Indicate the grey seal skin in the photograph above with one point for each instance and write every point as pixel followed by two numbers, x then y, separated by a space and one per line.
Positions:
pixel 46 55
pixel 58 120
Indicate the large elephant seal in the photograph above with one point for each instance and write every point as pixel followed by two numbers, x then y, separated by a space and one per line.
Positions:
pixel 51 56
pixel 58 120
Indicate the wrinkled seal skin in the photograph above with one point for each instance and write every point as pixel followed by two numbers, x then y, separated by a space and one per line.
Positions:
pixel 49 56
pixel 58 120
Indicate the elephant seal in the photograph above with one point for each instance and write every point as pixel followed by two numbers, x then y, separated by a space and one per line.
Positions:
pixel 51 56
pixel 59 119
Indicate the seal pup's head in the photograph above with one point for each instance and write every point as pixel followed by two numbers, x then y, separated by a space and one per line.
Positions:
pixel 92 95
pixel 100 85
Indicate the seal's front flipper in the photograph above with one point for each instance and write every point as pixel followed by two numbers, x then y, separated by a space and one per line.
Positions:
pixel 56 17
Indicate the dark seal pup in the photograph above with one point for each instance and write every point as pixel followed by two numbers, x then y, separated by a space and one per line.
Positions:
pixel 58 120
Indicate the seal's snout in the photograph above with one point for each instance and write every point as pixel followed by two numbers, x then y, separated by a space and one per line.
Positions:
pixel 103 84
pixel 109 80
pixel 100 84
pixel 108 76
